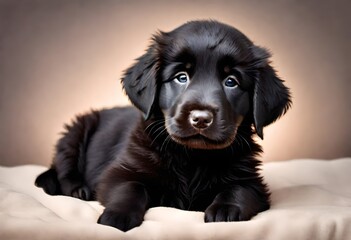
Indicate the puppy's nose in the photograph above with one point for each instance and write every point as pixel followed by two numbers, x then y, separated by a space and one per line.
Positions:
pixel 200 119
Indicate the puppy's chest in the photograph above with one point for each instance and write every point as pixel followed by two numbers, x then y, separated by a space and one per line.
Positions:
pixel 188 186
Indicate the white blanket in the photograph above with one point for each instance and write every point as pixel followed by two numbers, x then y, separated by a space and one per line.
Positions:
pixel 311 199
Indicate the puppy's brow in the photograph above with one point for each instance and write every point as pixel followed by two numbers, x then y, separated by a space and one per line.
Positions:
pixel 188 65
pixel 226 64
pixel 227 69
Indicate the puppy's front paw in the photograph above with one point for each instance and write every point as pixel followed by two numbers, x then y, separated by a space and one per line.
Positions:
pixel 224 212
pixel 121 220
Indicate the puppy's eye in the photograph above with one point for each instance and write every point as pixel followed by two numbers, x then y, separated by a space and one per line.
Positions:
pixel 231 81
pixel 181 77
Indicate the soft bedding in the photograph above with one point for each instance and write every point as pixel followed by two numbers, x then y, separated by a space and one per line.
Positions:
pixel 311 199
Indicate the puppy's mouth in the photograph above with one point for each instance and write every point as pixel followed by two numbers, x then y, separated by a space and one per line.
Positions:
pixel 199 141
pixel 219 134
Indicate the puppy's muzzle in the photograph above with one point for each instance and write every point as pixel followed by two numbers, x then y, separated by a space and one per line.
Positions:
pixel 200 119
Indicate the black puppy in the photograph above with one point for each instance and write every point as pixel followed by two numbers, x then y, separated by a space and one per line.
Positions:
pixel 201 92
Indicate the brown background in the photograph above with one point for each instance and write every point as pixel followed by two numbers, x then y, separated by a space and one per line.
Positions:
pixel 59 58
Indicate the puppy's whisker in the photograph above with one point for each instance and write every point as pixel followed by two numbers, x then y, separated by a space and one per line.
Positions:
pixel 245 141
pixel 239 141
pixel 159 128
pixel 154 124
pixel 165 143
pixel 162 131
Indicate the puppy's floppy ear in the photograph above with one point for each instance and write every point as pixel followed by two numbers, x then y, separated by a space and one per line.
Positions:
pixel 271 98
pixel 140 82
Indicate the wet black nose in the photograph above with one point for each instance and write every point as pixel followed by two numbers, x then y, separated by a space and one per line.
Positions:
pixel 200 119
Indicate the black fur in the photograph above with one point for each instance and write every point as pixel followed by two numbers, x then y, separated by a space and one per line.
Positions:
pixel 202 91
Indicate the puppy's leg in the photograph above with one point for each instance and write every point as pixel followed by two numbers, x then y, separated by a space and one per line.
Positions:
pixel 49 182
pixel 70 156
pixel 67 174
pixel 239 203
pixel 126 204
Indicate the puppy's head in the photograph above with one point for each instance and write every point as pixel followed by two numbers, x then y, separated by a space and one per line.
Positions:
pixel 206 78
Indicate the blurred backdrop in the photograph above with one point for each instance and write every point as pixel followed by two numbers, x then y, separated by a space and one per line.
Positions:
pixel 60 58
